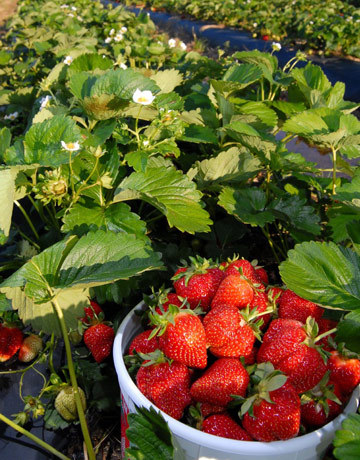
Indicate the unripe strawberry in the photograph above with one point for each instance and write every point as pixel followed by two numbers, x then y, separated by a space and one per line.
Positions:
pixel 30 348
pixel 65 403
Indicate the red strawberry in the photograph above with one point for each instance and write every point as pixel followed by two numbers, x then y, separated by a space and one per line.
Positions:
pixel 260 301
pixel 225 377
pixel 228 333
pixel 242 267
pixel 344 371
pixel 234 291
pixel 166 385
pixel 265 38
pixel 30 348
pixel 275 420
pixel 181 336
pixel 142 344
pixel 207 409
pixel 198 283
pixel 290 347
pixel 170 299
pixel 261 273
pixel 99 339
pixel 321 404
pixel 291 306
pixel 10 341
pixel 91 312
pixel 224 426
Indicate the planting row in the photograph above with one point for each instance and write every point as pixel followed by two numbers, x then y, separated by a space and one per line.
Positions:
pixel 310 26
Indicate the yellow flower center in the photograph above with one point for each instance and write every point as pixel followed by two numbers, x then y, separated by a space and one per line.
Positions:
pixel 70 145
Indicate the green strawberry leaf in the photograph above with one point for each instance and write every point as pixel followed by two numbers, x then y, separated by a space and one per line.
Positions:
pixel 247 205
pixel 43 141
pixel 43 318
pixel 151 437
pixel 231 166
pixel 199 134
pixel 116 217
pixel 171 192
pixel 94 259
pixel 349 331
pixel 347 440
pixel 5 140
pixel 323 273
pixel 7 196
pixel 5 304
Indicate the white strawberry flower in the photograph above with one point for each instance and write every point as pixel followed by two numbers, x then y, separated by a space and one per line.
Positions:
pixel 64 6
pixel 311 22
pixel 108 40
pixel 70 146
pixel 123 66
pixel 74 8
pixel 145 143
pixel 255 24
pixel 71 15
pixel 143 97
pixel 68 60
pixel 172 43
pixel 45 101
pixel 118 37
pixel 183 46
pixel 276 46
pixel 112 31
pixel 11 116
pixel 123 29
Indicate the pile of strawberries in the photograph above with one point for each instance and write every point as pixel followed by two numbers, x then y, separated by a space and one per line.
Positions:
pixel 235 357
pixel 12 341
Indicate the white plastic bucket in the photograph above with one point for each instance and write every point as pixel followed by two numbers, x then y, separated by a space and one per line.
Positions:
pixel 203 446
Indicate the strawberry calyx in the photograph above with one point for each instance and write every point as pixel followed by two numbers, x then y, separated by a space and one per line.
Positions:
pixel 312 331
pixel 155 357
pixel 264 379
pixel 342 350
pixel 198 266
pixel 161 320
pixel 321 394
pixel 251 318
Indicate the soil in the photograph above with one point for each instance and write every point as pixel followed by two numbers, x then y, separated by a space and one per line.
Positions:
pixel 7 8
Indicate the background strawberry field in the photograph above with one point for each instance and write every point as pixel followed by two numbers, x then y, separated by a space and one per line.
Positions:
pixel 102 196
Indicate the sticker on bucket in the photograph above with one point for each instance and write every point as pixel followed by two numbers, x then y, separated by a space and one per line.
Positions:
pixel 125 443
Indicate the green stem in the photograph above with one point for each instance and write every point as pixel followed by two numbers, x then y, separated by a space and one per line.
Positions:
pixel 34 438
pixel 333 150
pixel 71 368
pixel 271 243
pixel 71 175
pixel 137 125
pixel 28 220
pixel 27 237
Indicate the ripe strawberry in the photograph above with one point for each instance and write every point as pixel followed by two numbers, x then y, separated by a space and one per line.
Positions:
pixel 170 299
pixel 261 302
pixel 345 371
pixel 234 291
pixel 99 339
pixel 322 403
pixel 275 420
pixel 228 333
pixel 142 344
pixel 185 340
pixel 261 273
pixel 164 384
pixel 207 409
pixel 291 306
pixel 224 426
pixel 242 267
pixel 198 283
pixel 225 377
pixel 91 312
pixel 10 341
pixel 290 347
pixel 265 38
pixel 30 348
